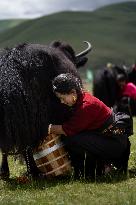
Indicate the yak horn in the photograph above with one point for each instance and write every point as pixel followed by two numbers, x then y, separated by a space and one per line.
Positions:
pixel 83 53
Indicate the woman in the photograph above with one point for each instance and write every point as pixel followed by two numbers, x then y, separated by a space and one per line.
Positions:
pixel 127 89
pixel 89 132
pixel 126 101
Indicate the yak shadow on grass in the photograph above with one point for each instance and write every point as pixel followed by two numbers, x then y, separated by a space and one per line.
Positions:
pixel 114 177
pixel 40 184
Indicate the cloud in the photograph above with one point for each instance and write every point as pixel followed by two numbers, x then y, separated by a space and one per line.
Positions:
pixel 36 8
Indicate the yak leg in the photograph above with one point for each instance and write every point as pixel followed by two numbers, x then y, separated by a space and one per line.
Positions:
pixel 4 169
pixel 32 169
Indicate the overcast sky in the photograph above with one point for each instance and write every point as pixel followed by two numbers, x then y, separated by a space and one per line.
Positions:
pixel 37 8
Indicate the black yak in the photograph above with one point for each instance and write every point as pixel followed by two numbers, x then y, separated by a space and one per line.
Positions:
pixel 26 98
pixel 105 87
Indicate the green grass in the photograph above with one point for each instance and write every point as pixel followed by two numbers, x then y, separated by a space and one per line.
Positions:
pixel 111 30
pixel 72 193
pixel 115 190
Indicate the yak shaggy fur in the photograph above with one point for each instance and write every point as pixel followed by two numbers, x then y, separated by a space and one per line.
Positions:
pixel 26 72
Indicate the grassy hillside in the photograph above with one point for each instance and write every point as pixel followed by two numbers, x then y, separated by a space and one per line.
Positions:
pixel 8 24
pixel 111 30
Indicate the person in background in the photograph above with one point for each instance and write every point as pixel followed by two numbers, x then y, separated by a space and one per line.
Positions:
pixel 126 88
pixel 126 100
pixel 91 132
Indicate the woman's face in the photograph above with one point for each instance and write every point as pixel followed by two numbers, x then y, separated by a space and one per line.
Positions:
pixel 68 99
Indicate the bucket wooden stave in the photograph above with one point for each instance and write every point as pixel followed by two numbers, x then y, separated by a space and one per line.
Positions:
pixel 51 157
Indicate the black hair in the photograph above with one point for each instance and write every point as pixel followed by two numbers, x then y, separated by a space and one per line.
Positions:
pixel 65 82
pixel 121 77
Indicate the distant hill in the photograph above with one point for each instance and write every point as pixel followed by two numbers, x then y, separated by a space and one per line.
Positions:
pixel 8 24
pixel 110 29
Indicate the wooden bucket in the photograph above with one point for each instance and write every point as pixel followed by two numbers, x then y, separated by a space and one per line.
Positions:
pixel 51 157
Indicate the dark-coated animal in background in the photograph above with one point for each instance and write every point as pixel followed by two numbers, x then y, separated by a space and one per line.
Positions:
pixel 106 89
pixel 26 98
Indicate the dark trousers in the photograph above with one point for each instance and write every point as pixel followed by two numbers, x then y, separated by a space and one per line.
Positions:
pixel 84 148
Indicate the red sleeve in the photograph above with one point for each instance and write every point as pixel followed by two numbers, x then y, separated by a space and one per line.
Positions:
pixel 130 91
pixel 80 120
pixel 133 90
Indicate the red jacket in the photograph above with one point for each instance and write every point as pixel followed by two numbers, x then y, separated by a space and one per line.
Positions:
pixel 89 114
pixel 129 90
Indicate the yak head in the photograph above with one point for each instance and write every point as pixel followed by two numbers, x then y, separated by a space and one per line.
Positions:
pixel 78 59
pixel 65 60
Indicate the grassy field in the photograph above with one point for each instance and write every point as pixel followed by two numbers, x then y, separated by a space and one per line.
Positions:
pixel 115 190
